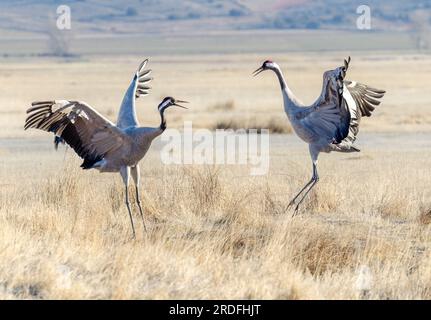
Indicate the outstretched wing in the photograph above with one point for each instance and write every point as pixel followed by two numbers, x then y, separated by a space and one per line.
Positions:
pixel 364 97
pixel 138 87
pixel 90 134
pixel 328 118
pixel 361 101
pixel 336 115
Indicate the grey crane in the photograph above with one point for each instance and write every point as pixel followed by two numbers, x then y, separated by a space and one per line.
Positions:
pixel 331 123
pixel 99 142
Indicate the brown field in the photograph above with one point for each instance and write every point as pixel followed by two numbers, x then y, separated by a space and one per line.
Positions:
pixel 216 232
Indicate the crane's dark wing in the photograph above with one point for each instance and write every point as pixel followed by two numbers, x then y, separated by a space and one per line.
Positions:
pixel 90 134
pixel 137 88
pixel 337 113
pixel 328 118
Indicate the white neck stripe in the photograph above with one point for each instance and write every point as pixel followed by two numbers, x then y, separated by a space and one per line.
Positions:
pixel 164 105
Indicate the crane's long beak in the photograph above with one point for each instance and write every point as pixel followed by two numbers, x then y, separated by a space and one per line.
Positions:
pixel 180 101
pixel 257 71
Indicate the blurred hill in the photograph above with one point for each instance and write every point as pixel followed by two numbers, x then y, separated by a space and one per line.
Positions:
pixel 23 18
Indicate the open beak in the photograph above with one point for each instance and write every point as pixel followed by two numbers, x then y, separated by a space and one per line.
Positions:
pixel 257 71
pixel 180 101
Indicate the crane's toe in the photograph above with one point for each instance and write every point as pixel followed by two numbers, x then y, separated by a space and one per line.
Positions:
pixel 295 212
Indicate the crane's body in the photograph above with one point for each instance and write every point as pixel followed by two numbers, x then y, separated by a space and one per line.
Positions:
pixel 131 153
pixel 332 122
pixel 103 145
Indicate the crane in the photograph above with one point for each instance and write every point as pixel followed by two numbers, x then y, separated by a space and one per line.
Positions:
pixel 331 123
pixel 103 145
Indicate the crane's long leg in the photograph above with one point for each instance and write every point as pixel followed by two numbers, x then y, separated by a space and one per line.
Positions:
pixel 125 174
pixel 137 178
pixel 292 202
pixel 314 180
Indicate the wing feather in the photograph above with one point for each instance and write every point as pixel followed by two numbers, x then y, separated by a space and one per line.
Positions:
pixel 137 88
pixel 328 118
pixel 337 112
pixel 364 96
pixel 91 135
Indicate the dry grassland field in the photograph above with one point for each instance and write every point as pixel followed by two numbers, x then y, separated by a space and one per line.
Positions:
pixel 215 232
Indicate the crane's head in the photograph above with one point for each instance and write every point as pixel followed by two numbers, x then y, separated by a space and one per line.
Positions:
pixel 168 102
pixel 267 65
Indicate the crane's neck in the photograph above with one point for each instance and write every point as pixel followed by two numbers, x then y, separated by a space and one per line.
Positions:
pixel 162 126
pixel 144 135
pixel 291 102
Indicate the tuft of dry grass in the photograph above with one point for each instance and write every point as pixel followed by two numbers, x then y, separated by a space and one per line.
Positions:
pixel 223 106
pixel 274 125
pixel 425 216
pixel 204 186
pixel 320 251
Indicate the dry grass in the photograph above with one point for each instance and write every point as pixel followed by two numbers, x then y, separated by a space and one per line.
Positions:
pixel 425 216
pixel 223 106
pixel 273 125
pixel 213 233
pixel 216 232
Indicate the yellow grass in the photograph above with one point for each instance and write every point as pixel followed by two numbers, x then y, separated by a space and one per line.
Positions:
pixel 274 125
pixel 216 232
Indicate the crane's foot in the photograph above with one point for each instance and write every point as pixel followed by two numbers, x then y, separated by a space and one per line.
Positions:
pixel 291 203
pixel 296 211
pixel 142 216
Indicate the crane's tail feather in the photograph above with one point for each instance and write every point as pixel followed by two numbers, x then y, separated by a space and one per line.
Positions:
pixel 90 162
